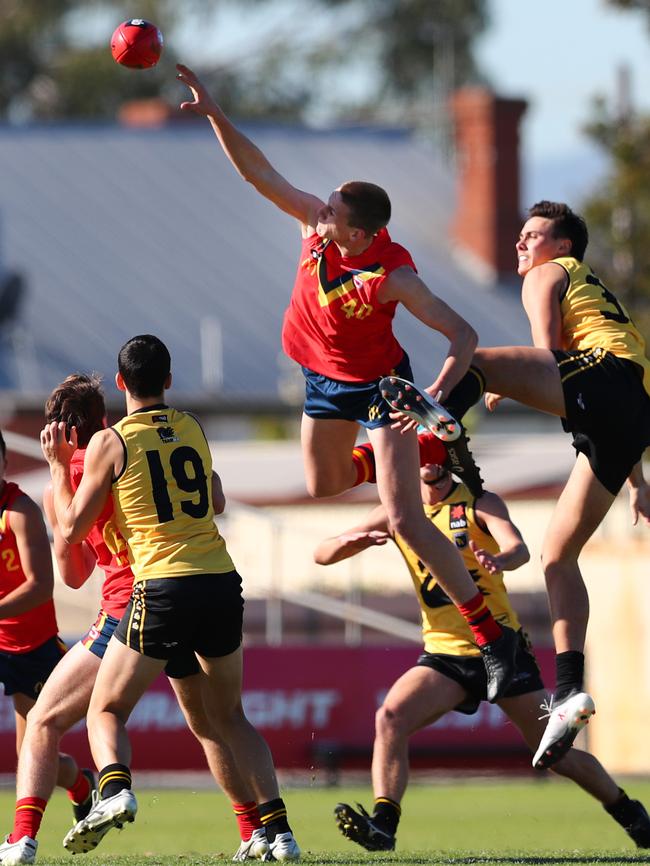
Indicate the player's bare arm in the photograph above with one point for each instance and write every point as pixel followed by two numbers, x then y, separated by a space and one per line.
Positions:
pixel 247 158
pixel 492 513
pixel 405 286
pixel 76 562
pixel 77 511
pixel 540 295
pixel 639 491
pixel 373 532
pixel 35 559
pixel 218 496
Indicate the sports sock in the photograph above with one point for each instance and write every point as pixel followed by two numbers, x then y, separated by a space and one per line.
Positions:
pixel 386 814
pixel 623 810
pixel 484 626
pixel 113 779
pixel 363 458
pixel 432 450
pixel 569 673
pixel 28 817
pixel 468 391
pixel 273 816
pixel 248 818
pixel 80 791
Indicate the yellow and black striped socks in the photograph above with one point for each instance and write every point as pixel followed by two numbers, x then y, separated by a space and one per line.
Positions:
pixel 273 816
pixel 386 814
pixel 113 779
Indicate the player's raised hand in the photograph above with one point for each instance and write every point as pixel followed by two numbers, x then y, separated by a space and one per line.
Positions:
pixel 202 103
pixel 55 445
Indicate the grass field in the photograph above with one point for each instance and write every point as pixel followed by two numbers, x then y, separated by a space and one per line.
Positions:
pixel 455 823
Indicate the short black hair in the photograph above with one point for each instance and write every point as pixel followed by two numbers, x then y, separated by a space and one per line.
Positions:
pixel 3 447
pixel 144 363
pixel 566 224
pixel 79 401
pixel 369 205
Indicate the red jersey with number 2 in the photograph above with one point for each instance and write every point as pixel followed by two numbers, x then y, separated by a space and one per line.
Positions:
pixel 28 630
pixel 109 547
pixel 334 324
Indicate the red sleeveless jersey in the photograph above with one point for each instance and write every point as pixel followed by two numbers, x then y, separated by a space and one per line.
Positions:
pixel 334 324
pixel 109 548
pixel 29 630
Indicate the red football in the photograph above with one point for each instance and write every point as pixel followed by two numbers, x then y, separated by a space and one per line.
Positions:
pixel 137 44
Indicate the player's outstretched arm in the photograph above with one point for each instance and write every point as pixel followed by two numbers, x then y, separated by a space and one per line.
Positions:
pixel 492 514
pixel 246 157
pixel 373 532
pixel 76 562
pixel 35 556
pixel 405 286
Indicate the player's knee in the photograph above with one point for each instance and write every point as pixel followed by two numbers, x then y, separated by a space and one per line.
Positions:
pixel 387 721
pixel 324 485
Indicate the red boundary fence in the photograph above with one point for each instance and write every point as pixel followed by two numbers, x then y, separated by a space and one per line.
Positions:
pixel 315 706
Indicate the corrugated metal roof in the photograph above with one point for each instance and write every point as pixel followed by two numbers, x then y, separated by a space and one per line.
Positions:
pixel 121 231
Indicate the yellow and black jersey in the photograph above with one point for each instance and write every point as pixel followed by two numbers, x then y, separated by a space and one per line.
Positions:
pixel 444 629
pixel 163 496
pixel 593 317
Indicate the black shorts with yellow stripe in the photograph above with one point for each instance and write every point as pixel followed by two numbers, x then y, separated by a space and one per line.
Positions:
pixel 469 672
pixel 174 617
pixel 607 411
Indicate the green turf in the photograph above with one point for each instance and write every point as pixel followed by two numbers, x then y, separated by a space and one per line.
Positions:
pixel 459 823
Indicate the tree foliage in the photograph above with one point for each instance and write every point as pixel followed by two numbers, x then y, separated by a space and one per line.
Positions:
pixel 54 59
pixel 618 213
pixel 55 62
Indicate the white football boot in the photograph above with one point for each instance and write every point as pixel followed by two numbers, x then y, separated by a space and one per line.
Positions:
pixel 105 814
pixel 565 721
pixel 15 853
pixel 255 848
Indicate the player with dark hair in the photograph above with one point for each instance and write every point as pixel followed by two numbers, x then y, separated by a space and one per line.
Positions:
pixel 338 327
pixel 29 643
pixel 589 367
pixel 79 402
pixel 185 611
pixel 449 675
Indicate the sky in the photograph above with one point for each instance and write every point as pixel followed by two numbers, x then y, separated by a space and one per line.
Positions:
pixel 560 54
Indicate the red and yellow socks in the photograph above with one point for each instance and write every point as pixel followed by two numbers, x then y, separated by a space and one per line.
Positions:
pixel 432 450
pixel 81 789
pixel 479 618
pixel 29 814
pixel 248 818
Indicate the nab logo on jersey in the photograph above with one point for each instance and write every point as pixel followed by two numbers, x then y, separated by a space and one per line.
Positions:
pixel 167 434
pixel 159 419
pixel 457 516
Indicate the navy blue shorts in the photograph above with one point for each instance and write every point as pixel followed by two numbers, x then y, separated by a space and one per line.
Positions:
pixel 351 401
pixel 25 673
pixel 183 664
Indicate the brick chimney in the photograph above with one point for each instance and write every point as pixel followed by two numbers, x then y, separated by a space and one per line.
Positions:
pixel 488 215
